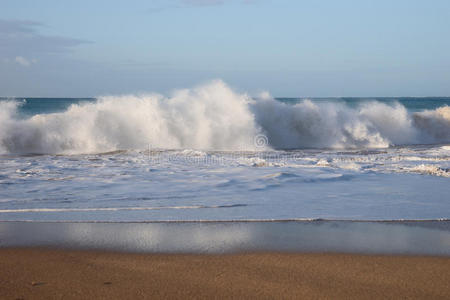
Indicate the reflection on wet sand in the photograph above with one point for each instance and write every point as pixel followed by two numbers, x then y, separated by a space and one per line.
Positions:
pixel 423 237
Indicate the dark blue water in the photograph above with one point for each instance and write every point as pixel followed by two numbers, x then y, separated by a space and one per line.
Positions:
pixel 33 106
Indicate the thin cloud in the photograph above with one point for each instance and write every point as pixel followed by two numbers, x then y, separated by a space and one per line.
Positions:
pixel 174 4
pixel 215 2
pixel 203 2
pixel 22 39
pixel 24 62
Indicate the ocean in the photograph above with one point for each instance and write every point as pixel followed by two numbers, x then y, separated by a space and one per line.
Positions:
pixel 213 154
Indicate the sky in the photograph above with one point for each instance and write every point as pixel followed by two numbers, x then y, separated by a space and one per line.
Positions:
pixel 56 48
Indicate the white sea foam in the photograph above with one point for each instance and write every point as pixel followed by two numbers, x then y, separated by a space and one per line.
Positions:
pixel 196 185
pixel 214 117
pixel 429 170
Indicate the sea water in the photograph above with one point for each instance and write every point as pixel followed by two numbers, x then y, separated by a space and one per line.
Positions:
pixel 210 153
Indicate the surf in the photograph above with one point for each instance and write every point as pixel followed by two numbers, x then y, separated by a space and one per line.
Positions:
pixel 215 117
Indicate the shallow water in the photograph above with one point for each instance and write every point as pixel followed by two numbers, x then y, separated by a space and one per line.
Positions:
pixel 396 183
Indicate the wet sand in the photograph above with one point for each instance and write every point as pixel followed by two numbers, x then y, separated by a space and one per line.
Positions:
pixel 243 260
pixel 430 238
pixel 36 273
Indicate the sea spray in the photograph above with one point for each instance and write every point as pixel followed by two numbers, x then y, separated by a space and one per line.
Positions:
pixel 207 117
pixel 214 117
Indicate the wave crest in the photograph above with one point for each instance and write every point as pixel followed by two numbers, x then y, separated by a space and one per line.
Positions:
pixel 214 117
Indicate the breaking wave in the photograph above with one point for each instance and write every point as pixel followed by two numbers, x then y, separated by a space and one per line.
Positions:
pixel 214 117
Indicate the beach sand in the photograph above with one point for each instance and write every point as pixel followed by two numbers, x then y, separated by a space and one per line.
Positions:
pixel 38 273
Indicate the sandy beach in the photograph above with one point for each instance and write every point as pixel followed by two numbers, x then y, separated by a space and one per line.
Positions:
pixel 33 273
pixel 301 260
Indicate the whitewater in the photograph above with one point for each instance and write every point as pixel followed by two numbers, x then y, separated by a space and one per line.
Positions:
pixel 211 153
pixel 213 117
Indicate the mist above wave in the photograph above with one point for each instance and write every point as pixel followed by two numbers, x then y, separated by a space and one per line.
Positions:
pixel 214 117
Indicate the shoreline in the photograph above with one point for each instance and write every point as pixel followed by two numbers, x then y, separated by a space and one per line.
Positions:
pixel 299 220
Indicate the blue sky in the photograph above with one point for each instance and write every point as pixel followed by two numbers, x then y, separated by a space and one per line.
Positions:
pixel 289 48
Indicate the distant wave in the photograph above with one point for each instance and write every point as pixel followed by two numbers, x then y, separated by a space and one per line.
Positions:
pixel 214 117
